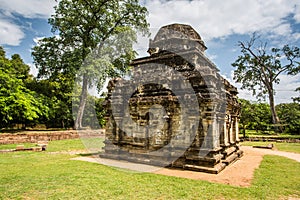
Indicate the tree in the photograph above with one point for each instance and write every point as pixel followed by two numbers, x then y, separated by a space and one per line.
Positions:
pixel 83 26
pixel 56 94
pixel 247 115
pixel 21 69
pixel 18 104
pixel 289 114
pixel 258 69
pixel 255 116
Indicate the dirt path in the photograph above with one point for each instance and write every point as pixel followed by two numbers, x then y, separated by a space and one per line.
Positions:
pixel 239 173
pixel 293 156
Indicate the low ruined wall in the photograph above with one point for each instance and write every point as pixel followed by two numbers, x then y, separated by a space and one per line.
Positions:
pixel 271 139
pixel 33 137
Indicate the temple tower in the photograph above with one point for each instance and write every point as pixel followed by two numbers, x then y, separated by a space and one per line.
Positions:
pixel 176 110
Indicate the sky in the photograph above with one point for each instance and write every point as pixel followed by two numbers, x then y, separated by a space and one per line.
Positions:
pixel 220 23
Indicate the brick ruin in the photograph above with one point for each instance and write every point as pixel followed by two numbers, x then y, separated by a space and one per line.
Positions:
pixel 176 110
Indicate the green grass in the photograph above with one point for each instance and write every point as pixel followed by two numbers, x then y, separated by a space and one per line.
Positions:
pixel 40 175
pixel 59 145
pixel 281 146
pixel 13 146
pixel 65 145
pixel 253 133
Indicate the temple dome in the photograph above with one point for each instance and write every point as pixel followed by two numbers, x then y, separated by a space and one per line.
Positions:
pixel 182 31
pixel 176 37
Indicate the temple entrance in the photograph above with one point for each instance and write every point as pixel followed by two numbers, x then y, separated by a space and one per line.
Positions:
pixel 157 114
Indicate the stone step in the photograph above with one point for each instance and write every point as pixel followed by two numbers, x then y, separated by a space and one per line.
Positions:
pixel 230 159
pixel 213 170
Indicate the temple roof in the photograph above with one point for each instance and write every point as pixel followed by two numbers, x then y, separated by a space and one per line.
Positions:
pixel 182 31
pixel 176 36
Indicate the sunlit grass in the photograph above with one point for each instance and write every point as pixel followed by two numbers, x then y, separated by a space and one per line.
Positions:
pixel 43 175
pixel 13 146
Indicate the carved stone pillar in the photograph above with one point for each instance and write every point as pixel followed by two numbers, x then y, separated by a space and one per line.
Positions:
pixel 226 139
pixel 215 133
pixel 231 130
pixel 237 139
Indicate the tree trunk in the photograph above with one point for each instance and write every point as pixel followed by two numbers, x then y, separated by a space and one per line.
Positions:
pixel 83 98
pixel 244 132
pixel 275 118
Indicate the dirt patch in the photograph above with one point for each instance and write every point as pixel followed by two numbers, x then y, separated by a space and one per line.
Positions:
pixel 71 152
pixel 239 173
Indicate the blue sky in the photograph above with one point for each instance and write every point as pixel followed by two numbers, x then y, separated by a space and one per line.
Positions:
pixel 220 23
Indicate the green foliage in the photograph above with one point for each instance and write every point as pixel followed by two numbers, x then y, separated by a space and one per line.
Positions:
pixel 100 111
pixel 85 28
pixel 258 70
pixel 21 69
pixel 18 104
pixel 255 116
pixel 289 114
pixel 93 116
pixel 56 94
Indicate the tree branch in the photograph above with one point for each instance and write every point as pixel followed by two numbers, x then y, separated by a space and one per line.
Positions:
pixel 261 65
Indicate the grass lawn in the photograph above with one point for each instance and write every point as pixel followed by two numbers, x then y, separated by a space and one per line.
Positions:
pixel 42 175
pixel 253 133
pixel 13 146
pixel 281 146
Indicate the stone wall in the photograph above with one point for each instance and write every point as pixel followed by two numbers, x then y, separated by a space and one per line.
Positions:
pixel 33 137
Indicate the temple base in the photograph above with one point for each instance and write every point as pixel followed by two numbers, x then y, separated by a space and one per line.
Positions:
pixel 213 162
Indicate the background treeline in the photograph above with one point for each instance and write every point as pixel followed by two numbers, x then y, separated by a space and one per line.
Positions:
pixel 257 116
pixel 26 101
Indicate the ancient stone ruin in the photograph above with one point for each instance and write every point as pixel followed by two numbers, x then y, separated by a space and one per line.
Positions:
pixel 175 110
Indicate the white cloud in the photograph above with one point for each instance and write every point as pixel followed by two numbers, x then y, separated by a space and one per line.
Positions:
pixel 29 8
pixel 286 89
pixel 33 69
pixel 10 33
pixel 297 13
pixel 37 39
pixel 218 18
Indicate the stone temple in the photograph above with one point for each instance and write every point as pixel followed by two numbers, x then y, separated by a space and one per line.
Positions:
pixel 175 110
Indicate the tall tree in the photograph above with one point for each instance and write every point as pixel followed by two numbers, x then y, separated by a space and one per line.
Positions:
pixel 18 104
pixel 83 26
pixel 258 69
pixel 21 69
